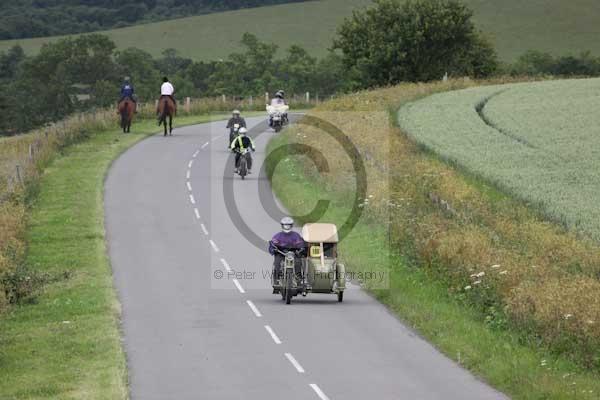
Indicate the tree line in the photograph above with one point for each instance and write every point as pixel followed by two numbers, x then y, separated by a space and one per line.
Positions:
pixel 38 18
pixel 393 41
pixel 77 74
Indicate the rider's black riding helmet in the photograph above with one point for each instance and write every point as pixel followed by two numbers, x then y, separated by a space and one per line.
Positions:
pixel 165 79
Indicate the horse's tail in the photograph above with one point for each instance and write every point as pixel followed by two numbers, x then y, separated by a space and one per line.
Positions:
pixel 164 111
pixel 124 112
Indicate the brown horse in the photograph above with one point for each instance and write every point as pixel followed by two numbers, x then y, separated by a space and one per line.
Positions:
pixel 126 110
pixel 166 108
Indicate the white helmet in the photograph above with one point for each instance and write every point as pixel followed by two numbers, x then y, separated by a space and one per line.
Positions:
pixel 243 130
pixel 287 224
pixel 236 112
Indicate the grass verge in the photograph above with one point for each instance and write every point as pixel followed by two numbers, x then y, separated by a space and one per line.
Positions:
pixel 65 342
pixel 497 354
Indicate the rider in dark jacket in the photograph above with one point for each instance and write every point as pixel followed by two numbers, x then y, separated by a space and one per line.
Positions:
pixel 236 119
pixel 127 91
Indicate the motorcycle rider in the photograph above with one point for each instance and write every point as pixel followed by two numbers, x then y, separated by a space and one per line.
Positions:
pixel 286 240
pixel 277 101
pixel 235 119
pixel 238 145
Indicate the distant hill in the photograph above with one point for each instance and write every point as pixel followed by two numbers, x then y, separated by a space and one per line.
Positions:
pixel 555 26
pixel 39 18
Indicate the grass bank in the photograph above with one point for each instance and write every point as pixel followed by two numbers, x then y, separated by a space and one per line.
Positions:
pixel 419 223
pixel 65 343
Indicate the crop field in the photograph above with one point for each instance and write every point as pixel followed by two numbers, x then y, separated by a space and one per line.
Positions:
pixel 538 141
pixel 516 274
pixel 514 26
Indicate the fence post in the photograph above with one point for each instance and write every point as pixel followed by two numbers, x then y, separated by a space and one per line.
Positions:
pixel 187 105
pixel 266 97
pixel 19 178
pixel 224 98
pixel 155 103
pixel 307 97
pixel 30 152
pixel 251 101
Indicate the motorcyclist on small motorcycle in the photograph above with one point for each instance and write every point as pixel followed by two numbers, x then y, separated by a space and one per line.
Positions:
pixel 238 145
pixel 234 124
pixel 236 118
pixel 286 240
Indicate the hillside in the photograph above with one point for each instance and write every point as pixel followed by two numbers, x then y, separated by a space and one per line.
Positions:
pixel 515 26
pixel 39 18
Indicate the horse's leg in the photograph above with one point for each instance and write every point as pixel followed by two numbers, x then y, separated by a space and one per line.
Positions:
pixel 170 125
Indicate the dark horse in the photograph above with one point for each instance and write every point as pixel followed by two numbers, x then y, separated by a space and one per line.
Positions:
pixel 126 110
pixel 166 108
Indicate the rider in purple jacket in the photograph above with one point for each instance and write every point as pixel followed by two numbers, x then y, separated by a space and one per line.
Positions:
pixel 287 239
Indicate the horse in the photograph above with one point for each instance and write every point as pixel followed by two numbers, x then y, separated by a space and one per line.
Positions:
pixel 166 108
pixel 126 110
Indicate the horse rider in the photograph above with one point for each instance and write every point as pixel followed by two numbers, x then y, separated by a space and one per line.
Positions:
pixel 167 89
pixel 286 240
pixel 238 145
pixel 127 91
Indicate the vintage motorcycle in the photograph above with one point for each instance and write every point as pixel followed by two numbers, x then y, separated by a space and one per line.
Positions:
pixel 319 271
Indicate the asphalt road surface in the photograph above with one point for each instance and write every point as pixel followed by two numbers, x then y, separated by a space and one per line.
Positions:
pixel 195 330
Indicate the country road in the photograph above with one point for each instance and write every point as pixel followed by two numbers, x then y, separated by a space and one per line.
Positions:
pixel 190 335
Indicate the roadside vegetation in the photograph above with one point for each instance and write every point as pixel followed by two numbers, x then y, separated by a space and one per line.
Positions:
pixel 495 286
pixel 63 339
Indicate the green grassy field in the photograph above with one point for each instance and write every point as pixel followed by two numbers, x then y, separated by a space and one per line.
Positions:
pixel 556 26
pixel 66 344
pixel 497 356
pixel 538 141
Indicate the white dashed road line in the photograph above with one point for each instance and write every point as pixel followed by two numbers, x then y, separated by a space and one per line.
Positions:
pixel 238 286
pixel 204 229
pixel 295 363
pixel 318 391
pixel 254 309
pixel 273 335
pixel 227 267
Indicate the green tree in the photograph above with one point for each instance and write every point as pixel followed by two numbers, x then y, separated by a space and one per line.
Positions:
pixel 139 66
pixel 413 40
pixel 297 70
